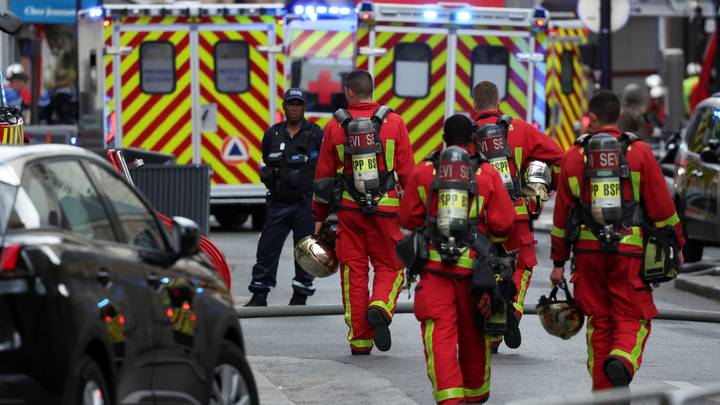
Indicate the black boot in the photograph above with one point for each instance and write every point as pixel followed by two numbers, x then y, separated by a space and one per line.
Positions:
pixel 259 299
pixel 298 299
pixel 381 333
pixel 512 337
pixel 617 372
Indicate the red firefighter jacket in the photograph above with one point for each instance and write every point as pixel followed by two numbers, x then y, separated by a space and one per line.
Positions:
pixel 333 161
pixel 526 144
pixel 492 207
pixel 646 185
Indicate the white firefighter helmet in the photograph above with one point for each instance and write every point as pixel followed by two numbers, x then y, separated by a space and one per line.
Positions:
pixel 560 318
pixel 693 69
pixel 316 257
pixel 14 70
pixel 654 80
pixel 537 180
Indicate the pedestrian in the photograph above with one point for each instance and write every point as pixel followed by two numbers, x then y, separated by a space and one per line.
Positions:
pixel 523 143
pixel 16 93
pixel 367 149
pixel 598 214
pixel 290 151
pixel 693 71
pixel 456 351
pixel 63 100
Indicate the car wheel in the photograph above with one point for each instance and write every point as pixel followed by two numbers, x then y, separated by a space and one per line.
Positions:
pixel 87 385
pixel 693 251
pixel 233 382
pixel 231 219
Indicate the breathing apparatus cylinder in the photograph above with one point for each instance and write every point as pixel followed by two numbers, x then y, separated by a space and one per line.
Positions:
pixel 454 171
pixel 604 169
pixel 491 143
pixel 361 133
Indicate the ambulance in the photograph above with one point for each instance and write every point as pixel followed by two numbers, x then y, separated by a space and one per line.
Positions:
pixel 197 81
pixel 426 59
pixel 202 82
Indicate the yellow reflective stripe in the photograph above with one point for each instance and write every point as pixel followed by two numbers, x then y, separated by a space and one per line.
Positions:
pixel 518 158
pixel 497 239
pixel 362 343
pixel 429 329
pixel 449 393
pixel 485 388
pixel 389 202
pixel 347 196
pixel 463 261
pixel 636 352
pixel 521 209
pixel 346 295
pixel 4 136
pixel 574 186
pixel 422 194
pixel 389 154
pixel 586 234
pixel 634 239
pixel 341 152
pixel 389 306
pixel 635 177
pixel 591 355
pixel 493 339
pixel 672 221
pixel 555 169
pixel 557 232
pixel 476 206
pixel 524 283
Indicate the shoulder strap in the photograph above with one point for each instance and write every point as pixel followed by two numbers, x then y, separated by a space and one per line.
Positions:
pixel 433 157
pixel 343 117
pixel 583 140
pixel 378 118
pixel 504 122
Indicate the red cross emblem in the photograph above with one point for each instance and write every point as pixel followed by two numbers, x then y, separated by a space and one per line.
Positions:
pixel 324 87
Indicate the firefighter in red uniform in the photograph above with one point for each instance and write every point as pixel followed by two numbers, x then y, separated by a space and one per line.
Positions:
pixel 366 151
pixel 601 210
pixel 467 198
pixel 523 144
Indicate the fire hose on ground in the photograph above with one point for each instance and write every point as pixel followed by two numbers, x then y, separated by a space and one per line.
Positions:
pixel 407 308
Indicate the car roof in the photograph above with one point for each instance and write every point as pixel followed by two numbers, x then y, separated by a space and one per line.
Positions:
pixel 712 101
pixel 12 153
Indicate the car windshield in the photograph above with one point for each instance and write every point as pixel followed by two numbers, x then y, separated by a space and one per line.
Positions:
pixel 7 197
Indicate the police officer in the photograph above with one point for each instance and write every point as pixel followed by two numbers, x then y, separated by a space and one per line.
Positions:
pixel 609 183
pixel 290 150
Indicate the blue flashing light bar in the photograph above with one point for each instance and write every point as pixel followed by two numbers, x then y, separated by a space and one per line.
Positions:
pixel 463 16
pixel 314 11
pixel 95 12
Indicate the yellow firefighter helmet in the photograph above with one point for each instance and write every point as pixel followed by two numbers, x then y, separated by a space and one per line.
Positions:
pixel 316 257
pixel 560 318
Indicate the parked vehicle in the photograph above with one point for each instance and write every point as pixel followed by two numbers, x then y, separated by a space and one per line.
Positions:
pixel 100 303
pixel 697 176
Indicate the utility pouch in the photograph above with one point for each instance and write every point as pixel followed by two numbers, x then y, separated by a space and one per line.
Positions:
pixel 412 251
pixel 660 263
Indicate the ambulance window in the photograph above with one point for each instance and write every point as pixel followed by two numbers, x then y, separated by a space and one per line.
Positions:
pixel 232 72
pixel 566 72
pixel 412 70
pixel 490 63
pixel 157 67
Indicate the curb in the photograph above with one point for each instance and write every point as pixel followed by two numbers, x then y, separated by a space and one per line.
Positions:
pixel 697 287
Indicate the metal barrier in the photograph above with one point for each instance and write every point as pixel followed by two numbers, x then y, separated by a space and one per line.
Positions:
pixel 65 134
pixel 407 308
pixel 663 394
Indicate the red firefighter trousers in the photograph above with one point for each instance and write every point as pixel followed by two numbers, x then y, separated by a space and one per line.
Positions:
pixel 359 237
pixel 457 354
pixel 619 307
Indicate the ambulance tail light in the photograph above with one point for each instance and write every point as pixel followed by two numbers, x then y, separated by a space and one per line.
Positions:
pixel 365 16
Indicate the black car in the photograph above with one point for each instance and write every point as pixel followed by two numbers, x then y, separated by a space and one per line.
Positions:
pixel 697 176
pixel 99 302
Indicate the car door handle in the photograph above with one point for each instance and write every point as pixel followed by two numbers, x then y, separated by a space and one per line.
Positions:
pixel 103 277
pixel 153 280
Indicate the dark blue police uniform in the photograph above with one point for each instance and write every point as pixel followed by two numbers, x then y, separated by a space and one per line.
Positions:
pixel 288 174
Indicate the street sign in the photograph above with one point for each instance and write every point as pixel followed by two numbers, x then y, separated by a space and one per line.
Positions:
pixel 589 13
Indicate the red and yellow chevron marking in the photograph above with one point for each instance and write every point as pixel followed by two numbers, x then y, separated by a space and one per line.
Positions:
pixel 515 101
pixel 423 117
pixel 363 40
pixel 571 106
pixel 244 115
pixel 321 44
pixel 11 134
pixel 157 122
pixel 109 77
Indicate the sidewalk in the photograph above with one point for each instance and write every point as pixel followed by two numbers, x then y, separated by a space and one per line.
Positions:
pixel 704 283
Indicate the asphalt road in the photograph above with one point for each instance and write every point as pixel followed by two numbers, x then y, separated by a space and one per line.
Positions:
pixel 307 360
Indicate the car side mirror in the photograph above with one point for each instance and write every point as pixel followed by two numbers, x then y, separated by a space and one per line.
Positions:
pixel 709 155
pixel 186 236
pixel 9 23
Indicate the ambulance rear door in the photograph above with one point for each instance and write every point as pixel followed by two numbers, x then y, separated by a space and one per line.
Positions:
pixel 500 53
pixel 320 53
pixel 411 76
pixel 152 85
pixel 238 94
